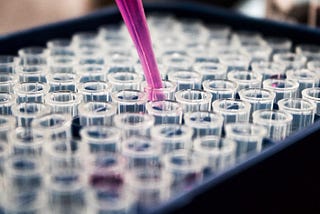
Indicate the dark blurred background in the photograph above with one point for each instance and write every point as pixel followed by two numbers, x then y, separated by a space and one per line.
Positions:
pixel 18 15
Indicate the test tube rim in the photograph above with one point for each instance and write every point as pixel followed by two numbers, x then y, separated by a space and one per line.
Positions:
pixel 312 105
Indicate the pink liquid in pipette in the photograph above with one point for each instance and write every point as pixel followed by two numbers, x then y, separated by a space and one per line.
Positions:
pixel 133 15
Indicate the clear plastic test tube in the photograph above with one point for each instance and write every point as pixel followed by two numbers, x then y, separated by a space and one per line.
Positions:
pixel 245 78
pixel 232 110
pixel 97 113
pixel 211 70
pixel 277 123
pixel 60 47
pixel 7 123
pixel 124 80
pixel 32 73
pixel 279 44
pixel 101 138
pixel 284 88
pixel 259 98
pixel 165 111
pixel 269 70
pixel 204 123
pixel 172 137
pixel 26 112
pixel 186 169
pixel 156 94
pixel 64 154
pixel 290 60
pixel 257 52
pixel 218 153
pixel 302 111
pixel 33 56
pixel 6 102
pixel 235 61
pixel 247 136
pixel 177 61
pixel 63 102
pixel 150 186
pixel 94 91
pixel 53 126
pixel 62 64
pixel 130 100
pixel 7 82
pixel 193 100
pixel 62 82
pixel 31 92
pixel 313 95
pixel 305 78
pixel 89 73
pixel 23 174
pixel 7 64
pixel 141 152
pixel 185 79
pixel 310 51
pixel 132 124
pixel 26 141
pixel 220 88
pixel 66 192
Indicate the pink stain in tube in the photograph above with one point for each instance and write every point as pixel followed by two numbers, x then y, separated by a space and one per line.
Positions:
pixel 133 15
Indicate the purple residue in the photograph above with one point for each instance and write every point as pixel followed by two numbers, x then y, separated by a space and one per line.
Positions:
pixel 106 180
pixel 133 15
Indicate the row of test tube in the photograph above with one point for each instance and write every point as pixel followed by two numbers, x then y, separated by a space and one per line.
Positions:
pixel 82 132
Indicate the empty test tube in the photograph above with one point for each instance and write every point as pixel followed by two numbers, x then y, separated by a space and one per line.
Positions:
pixel 302 111
pixel 89 73
pixel 165 111
pixel 130 100
pixel 32 73
pixel 26 141
pixel 220 89
pixel 269 70
pixel 172 137
pixel 245 79
pixel 31 92
pixel 279 44
pixel 7 82
pixel 97 113
pixel 313 95
pixel 257 52
pixel 277 123
pixel 62 82
pixel 218 153
pixel 23 174
pixel 149 186
pixel 305 78
pixel 66 192
pixel 284 88
pixel 141 152
pixel 259 98
pixel 235 61
pixel 60 47
pixel 94 91
pixel 53 126
pixel 7 123
pixel 310 51
pixel 194 100
pixel 33 56
pixel 211 70
pixel 232 110
pixel 64 154
pixel 186 169
pixel 124 80
pixel 156 94
pixel 247 136
pixel 204 123
pixel 177 61
pixel 185 79
pixel 290 60
pixel 7 64
pixel 6 102
pixel 63 102
pixel 101 138
pixel 26 112
pixel 132 124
